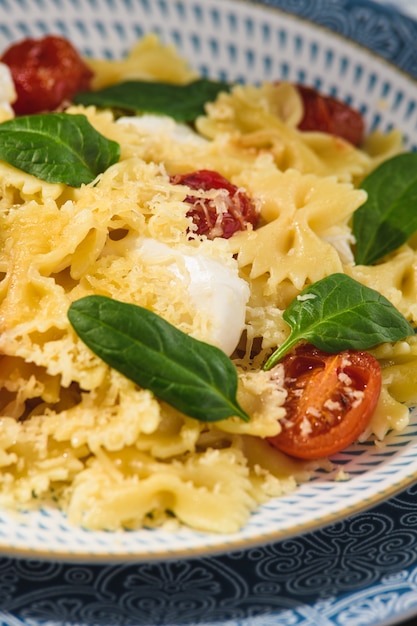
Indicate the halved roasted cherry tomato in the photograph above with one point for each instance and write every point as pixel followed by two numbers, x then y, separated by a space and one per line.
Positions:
pixel 223 215
pixel 329 115
pixel 330 401
pixel 46 72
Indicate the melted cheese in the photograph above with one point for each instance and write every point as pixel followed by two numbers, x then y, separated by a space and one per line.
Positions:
pixel 215 289
pixel 7 93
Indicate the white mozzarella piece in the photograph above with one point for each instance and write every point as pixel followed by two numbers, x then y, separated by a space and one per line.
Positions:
pixel 7 90
pixel 342 240
pixel 215 290
pixel 150 124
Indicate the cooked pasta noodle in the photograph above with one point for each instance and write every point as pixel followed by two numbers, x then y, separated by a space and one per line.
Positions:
pixel 78 435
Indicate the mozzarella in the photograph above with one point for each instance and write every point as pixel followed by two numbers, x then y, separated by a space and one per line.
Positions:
pixel 150 124
pixel 7 92
pixel 214 289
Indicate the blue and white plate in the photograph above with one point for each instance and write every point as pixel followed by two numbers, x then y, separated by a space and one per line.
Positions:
pixel 313 557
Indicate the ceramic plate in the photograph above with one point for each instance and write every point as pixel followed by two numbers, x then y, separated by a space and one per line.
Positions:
pixel 237 41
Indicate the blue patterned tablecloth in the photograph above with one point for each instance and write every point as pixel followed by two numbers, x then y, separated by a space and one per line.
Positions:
pixel 358 572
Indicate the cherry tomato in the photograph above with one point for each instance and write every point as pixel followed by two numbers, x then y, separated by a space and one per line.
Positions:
pixel 330 115
pixel 46 72
pixel 331 399
pixel 231 210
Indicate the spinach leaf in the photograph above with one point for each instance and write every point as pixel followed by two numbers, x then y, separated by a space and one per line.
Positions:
pixel 57 148
pixel 184 103
pixel 389 216
pixel 338 313
pixel 194 377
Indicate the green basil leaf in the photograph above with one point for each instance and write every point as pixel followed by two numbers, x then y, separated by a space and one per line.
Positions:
pixel 184 103
pixel 389 216
pixel 194 377
pixel 338 313
pixel 57 148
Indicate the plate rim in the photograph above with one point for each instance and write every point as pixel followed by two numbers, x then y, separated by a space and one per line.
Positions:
pixel 269 537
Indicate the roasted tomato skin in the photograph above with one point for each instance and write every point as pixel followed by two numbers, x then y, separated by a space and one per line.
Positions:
pixel 46 72
pixel 331 399
pixel 329 115
pixel 232 210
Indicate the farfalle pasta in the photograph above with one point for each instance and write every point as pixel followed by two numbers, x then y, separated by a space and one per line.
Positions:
pixel 77 434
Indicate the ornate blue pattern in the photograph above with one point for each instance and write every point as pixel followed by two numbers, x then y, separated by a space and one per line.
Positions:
pixel 378 28
pixel 353 573
pixel 356 572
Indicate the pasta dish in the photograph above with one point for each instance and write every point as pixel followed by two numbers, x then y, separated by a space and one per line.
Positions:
pixel 79 433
